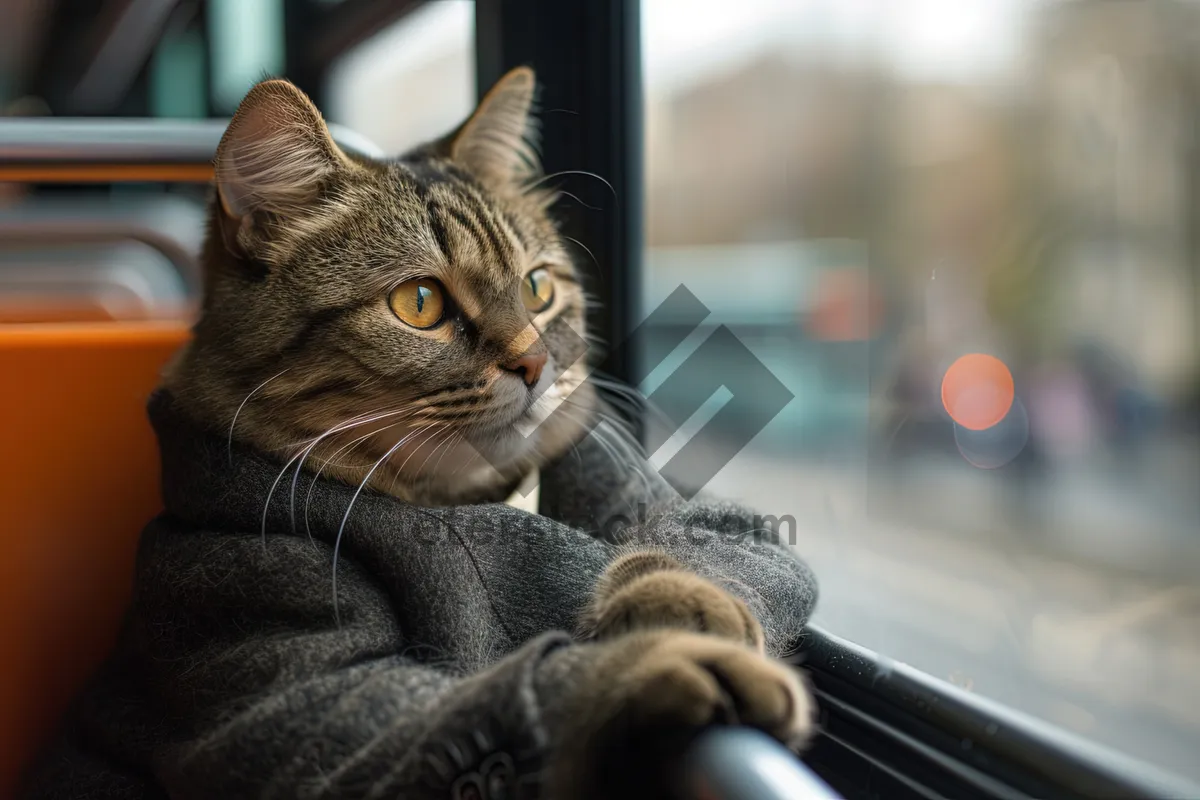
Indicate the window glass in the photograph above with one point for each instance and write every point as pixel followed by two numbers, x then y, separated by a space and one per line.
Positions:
pixel 411 82
pixel 247 42
pixel 963 238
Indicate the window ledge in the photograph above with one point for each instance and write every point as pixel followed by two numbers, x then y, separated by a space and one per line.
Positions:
pixel 891 731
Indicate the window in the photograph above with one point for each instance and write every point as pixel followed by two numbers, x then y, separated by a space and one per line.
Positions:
pixel 247 42
pixel 412 81
pixel 963 236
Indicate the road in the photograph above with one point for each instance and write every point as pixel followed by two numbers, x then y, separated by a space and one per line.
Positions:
pixel 1111 654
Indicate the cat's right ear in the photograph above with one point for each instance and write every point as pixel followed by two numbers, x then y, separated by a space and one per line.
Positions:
pixel 276 155
pixel 496 143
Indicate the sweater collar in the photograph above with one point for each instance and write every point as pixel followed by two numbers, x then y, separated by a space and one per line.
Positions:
pixel 211 480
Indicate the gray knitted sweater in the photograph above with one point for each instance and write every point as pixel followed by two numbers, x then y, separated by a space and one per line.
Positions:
pixel 438 668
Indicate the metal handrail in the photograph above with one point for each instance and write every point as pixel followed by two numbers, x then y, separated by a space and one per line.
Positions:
pixel 171 225
pixel 738 763
pixel 57 149
pixel 117 150
pixel 88 232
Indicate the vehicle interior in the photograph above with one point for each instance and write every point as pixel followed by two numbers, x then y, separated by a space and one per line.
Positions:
pixel 920 280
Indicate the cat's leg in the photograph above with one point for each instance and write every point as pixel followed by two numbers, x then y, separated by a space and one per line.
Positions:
pixel 647 589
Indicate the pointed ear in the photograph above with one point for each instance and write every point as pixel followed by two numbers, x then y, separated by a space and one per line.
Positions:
pixel 276 154
pixel 495 143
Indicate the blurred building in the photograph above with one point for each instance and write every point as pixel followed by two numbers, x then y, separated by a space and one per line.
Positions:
pixel 790 137
pixel 1114 90
pixel 1056 203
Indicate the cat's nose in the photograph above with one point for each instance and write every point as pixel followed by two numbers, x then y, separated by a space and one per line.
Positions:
pixel 528 366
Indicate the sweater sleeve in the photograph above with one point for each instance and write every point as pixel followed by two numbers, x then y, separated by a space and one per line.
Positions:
pixel 615 493
pixel 730 546
pixel 267 695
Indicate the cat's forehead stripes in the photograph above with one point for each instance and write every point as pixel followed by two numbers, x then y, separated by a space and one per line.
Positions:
pixel 469 229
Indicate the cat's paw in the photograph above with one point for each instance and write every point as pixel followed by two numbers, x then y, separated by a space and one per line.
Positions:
pixel 647 695
pixel 647 590
pixel 695 681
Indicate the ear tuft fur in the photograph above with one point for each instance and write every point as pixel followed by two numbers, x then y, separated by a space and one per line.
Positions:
pixel 276 153
pixel 497 142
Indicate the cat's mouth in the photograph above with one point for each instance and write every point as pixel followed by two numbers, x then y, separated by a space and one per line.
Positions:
pixel 521 425
pixel 523 401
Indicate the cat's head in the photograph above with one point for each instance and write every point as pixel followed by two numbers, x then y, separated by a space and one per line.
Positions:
pixel 421 313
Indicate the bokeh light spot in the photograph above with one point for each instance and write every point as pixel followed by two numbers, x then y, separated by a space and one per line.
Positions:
pixel 997 445
pixel 977 391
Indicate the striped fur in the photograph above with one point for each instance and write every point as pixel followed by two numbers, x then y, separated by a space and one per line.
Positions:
pixel 296 339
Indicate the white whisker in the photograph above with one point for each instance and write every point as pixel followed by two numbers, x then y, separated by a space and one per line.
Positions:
pixel 633 460
pixel 587 250
pixel 632 396
pixel 417 446
pixel 243 405
pixel 337 542
pixel 282 472
pixel 328 462
pixel 369 418
pixel 565 193
pixel 530 186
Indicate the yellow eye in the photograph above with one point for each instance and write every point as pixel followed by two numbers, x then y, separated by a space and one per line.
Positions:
pixel 537 290
pixel 418 302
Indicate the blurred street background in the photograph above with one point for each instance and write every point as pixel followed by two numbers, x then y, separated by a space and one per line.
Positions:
pixel 864 192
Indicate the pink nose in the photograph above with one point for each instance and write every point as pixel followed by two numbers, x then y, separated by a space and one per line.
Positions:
pixel 528 366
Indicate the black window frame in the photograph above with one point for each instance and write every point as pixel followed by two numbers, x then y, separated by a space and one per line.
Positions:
pixel 587 55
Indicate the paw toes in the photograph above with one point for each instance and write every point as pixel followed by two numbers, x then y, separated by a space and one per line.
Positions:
pixel 765 694
pixel 680 693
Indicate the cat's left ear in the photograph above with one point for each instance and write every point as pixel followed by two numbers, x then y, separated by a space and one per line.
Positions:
pixel 496 143
pixel 276 155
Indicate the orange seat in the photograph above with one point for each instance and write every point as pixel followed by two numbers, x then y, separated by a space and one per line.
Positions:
pixel 79 468
pixel 80 479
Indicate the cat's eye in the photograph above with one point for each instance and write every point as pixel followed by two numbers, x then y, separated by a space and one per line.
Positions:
pixel 418 302
pixel 537 290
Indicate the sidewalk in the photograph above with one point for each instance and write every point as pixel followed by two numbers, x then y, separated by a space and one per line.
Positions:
pixel 1101 520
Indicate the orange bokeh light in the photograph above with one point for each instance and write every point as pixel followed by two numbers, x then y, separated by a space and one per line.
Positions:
pixel 847 308
pixel 977 391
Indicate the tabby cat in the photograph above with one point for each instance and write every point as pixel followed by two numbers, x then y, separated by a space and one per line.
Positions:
pixel 402 324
